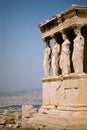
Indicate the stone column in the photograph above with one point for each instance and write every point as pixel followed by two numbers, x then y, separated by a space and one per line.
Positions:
pixel 55 57
pixel 47 58
pixel 65 55
pixel 78 50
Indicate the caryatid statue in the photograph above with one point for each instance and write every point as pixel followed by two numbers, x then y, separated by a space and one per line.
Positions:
pixel 78 50
pixel 65 55
pixel 55 57
pixel 47 58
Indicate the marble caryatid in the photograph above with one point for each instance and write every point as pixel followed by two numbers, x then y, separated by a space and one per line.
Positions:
pixel 47 58
pixel 65 55
pixel 55 57
pixel 78 50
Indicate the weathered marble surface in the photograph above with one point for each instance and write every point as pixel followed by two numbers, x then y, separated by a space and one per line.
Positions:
pixel 55 58
pixel 78 51
pixel 47 58
pixel 65 56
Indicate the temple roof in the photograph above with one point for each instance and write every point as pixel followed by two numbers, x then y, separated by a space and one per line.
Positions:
pixel 73 10
pixel 75 15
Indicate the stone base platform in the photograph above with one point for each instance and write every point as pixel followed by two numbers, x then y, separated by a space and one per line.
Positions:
pixel 52 122
pixel 64 105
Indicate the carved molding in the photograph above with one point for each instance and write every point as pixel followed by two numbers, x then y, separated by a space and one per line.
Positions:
pixel 73 16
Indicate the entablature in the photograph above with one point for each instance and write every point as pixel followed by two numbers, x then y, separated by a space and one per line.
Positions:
pixel 76 15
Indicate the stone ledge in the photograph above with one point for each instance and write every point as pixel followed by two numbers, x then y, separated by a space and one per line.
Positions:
pixel 74 108
pixel 51 122
pixel 64 77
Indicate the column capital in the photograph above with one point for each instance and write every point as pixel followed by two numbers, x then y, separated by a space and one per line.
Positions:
pixel 78 26
pixel 47 39
pixel 63 31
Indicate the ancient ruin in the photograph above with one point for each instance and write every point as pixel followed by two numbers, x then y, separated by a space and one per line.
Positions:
pixel 65 72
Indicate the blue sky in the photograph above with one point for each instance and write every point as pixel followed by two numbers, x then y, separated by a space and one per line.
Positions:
pixel 21 46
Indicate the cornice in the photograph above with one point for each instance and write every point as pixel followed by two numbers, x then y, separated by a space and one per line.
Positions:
pixel 55 20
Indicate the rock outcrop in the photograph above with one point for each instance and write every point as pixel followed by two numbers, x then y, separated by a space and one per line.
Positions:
pixel 10 118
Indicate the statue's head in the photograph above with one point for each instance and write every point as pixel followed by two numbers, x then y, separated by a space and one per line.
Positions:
pixel 77 29
pixel 46 42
